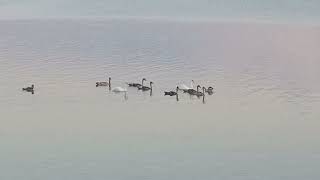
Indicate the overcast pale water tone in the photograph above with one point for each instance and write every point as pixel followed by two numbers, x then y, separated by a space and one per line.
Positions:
pixel 262 122
pixel 293 11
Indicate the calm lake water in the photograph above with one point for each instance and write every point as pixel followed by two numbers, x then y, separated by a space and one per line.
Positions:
pixel 261 123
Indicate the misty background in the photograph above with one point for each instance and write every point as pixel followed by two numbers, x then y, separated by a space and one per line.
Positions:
pixel 268 10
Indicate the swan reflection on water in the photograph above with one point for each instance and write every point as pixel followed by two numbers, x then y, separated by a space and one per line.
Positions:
pixel 203 100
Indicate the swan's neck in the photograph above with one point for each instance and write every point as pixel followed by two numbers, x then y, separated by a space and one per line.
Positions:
pixel 109 84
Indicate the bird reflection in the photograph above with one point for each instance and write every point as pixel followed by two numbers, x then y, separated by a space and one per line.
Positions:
pixel 203 100
pixel 125 96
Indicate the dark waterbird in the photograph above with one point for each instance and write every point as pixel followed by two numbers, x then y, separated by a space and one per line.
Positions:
pixel 172 93
pixel 199 94
pixel 104 83
pixel 137 84
pixel 146 88
pixel 209 90
pixel 192 91
pixel 29 89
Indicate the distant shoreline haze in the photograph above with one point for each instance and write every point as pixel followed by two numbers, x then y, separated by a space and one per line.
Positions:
pixel 287 11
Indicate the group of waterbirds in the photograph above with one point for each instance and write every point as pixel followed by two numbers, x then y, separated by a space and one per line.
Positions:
pixel 190 90
pixel 182 87
pixel 121 89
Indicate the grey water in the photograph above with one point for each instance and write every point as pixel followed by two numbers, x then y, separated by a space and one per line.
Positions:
pixel 262 122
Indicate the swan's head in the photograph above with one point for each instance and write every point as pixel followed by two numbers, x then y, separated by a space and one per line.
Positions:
pixel 32 85
pixel 144 79
pixel 198 86
pixel 151 82
pixel 210 88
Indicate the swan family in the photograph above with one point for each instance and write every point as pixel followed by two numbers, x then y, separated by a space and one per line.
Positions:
pixel 181 87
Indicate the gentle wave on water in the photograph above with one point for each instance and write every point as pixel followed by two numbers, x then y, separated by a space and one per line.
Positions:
pixel 69 56
pixel 264 109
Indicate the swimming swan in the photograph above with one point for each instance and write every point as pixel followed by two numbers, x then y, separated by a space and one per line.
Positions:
pixel 209 90
pixel 199 94
pixel 119 89
pixel 103 83
pixel 172 93
pixel 29 89
pixel 137 84
pixel 146 88
pixel 185 87
pixel 192 91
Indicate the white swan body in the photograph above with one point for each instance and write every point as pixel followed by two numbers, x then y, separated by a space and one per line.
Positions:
pixel 119 89
pixel 185 87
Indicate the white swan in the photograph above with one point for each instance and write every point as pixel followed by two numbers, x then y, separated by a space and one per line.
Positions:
pixel 119 89
pixel 185 87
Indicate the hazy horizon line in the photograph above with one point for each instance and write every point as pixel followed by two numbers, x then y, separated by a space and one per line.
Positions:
pixel 168 19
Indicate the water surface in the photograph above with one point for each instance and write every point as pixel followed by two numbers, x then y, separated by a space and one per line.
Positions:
pixel 261 123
